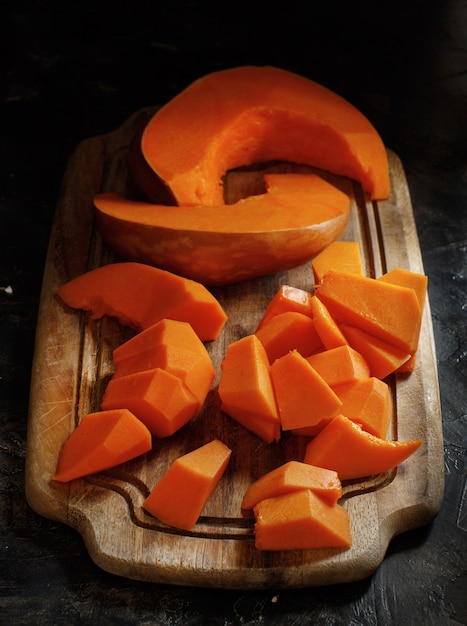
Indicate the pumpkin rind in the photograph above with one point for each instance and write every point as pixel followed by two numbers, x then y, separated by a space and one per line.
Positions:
pixel 297 218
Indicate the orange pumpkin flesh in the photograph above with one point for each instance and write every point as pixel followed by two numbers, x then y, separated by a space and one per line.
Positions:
pixel 298 216
pixel 248 115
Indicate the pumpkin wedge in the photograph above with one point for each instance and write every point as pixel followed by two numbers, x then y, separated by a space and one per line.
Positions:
pixel 248 115
pixel 297 217
pixel 139 295
pixel 293 476
pixel 385 310
pixel 101 441
pixel 180 496
pixel 245 388
pixel 343 446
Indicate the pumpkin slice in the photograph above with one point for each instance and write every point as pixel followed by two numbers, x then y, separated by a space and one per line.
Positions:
pixel 326 327
pixel 382 357
pixel 139 295
pixel 249 115
pixel 346 448
pixel 245 388
pixel 418 282
pixel 385 310
pixel 292 476
pixel 295 219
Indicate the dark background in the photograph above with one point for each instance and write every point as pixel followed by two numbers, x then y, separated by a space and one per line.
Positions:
pixel 72 70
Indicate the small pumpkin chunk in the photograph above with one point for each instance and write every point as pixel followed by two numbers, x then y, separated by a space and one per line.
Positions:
pixel 300 520
pixel 383 358
pixel 179 497
pixel 368 402
pixel 101 441
pixel 339 365
pixel 245 388
pixel 339 256
pixel 292 476
pixel 303 397
pixel 158 398
pixel 289 331
pixel 287 298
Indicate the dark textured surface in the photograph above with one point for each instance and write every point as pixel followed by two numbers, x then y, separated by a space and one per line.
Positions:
pixel 74 70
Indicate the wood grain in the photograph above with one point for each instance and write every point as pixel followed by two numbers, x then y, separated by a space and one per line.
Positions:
pixel 72 364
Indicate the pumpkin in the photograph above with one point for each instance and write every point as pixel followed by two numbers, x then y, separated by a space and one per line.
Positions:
pixel 297 217
pixel 248 115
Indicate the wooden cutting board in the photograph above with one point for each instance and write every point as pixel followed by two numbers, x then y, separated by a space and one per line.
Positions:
pixel 72 365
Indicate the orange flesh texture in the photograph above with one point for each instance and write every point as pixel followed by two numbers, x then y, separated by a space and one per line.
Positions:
pixel 193 368
pixel 383 358
pixel 102 440
pixel 300 520
pixel 346 448
pixel 406 278
pixel 179 497
pixel 291 201
pixel 289 331
pixel 418 282
pixel 287 298
pixel 298 217
pixel 245 386
pixel 165 332
pixel 367 402
pixel 250 115
pixel 409 365
pixel 387 311
pixel 339 365
pixel 327 329
pixel 340 256
pixel 292 476
pixel 158 398
pixel 139 295
pixel 304 399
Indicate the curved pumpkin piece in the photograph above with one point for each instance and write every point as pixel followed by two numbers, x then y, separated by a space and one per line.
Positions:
pixel 346 448
pixel 295 219
pixel 293 476
pixel 249 115
pixel 139 295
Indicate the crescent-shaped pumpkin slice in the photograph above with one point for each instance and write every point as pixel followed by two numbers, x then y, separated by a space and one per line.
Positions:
pixel 248 115
pixel 297 217
pixel 139 295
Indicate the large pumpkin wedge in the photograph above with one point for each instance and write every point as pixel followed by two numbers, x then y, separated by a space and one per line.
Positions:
pixel 248 115
pixel 297 217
